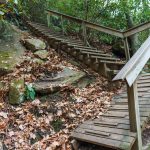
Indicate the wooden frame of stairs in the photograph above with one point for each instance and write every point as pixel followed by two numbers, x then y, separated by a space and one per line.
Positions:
pixel 86 24
pixel 130 73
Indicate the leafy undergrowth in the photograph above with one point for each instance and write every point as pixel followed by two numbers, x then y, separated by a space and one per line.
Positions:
pixel 46 122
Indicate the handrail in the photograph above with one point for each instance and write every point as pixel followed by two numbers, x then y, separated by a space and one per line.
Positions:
pixel 135 65
pixel 111 31
pixel 137 29
pixel 101 28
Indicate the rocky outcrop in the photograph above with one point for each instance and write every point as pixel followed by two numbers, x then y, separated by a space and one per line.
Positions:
pixel 34 44
pixel 10 49
pixel 48 85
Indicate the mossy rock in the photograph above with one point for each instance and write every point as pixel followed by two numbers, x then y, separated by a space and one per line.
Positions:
pixel 34 44
pixel 3 90
pixel 10 48
pixel 16 91
pixel 38 61
pixel 6 31
pixel 118 49
pixel 42 54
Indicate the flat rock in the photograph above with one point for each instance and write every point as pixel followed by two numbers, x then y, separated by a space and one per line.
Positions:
pixel 48 85
pixel 16 91
pixel 42 54
pixel 34 44
pixel 38 61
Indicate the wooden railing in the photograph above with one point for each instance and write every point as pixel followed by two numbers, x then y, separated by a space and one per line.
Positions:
pixel 130 73
pixel 86 24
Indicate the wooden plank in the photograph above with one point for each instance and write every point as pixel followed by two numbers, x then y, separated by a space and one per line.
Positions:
pixel 106 58
pixel 97 53
pixel 102 141
pixel 116 114
pixel 106 135
pixel 87 48
pixel 144 85
pixel 137 29
pixel 133 107
pixel 147 77
pixel 143 81
pixel 114 120
pixel 109 130
pixel 112 62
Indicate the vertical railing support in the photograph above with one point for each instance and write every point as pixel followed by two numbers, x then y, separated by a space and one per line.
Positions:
pixel 84 33
pixel 126 46
pixel 134 115
pixel 62 25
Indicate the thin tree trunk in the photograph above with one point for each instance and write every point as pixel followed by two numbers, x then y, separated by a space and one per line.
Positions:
pixel 133 40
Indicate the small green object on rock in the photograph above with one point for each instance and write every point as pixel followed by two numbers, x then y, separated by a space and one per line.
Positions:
pixel 16 91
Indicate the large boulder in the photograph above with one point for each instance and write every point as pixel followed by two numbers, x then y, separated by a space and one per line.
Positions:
pixel 16 91
pixel 34 44
pixel 42 54
pixel 10 49
pixel 48 85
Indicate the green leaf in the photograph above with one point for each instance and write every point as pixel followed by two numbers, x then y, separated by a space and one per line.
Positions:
pixel 30 92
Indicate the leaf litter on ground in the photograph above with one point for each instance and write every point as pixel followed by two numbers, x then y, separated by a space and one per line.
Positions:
pixel 46 125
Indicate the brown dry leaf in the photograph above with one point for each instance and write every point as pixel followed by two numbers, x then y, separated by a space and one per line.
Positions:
pixel 2 125
pixel 4 115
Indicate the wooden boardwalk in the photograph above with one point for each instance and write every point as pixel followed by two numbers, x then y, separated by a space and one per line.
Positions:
pixel 112 130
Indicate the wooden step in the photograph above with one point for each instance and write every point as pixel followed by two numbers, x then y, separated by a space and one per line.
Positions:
pixel 97 53
pixel 105 58
pixel 113 62
pixel 86 48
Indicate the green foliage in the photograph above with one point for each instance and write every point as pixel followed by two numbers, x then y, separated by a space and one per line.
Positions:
pixel 118 14
pixel 57 125
pixel 30 92
pixel 8 6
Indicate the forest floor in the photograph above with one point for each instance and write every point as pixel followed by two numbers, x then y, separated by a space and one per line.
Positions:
pixel 46 122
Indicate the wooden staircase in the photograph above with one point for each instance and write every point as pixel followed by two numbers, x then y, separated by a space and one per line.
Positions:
pixel 104 63
pixel 120 127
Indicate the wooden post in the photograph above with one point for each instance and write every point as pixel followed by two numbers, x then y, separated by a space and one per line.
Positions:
pixel 84 33
pixel 134 115
pixel 126 46
pixel 62 25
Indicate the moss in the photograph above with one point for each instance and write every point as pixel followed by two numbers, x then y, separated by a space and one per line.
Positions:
pixel 16 92
pixel 10 51
pixel 57 125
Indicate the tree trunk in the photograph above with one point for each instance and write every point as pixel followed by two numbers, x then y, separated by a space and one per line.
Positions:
pixel 133 40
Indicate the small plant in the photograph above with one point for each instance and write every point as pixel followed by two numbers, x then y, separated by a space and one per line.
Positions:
pixel 57 125
pixel 30 92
